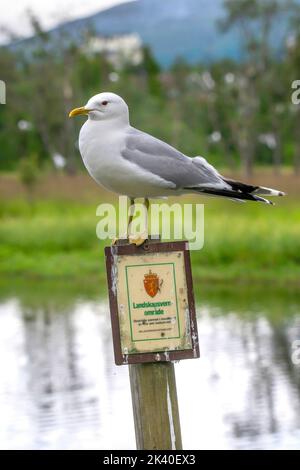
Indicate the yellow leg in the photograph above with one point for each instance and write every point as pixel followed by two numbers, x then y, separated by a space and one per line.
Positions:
pixel 131 202
pixel 147 205
pixel 139 239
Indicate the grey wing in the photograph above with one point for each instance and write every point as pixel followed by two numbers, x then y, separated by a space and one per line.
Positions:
pixel 165 161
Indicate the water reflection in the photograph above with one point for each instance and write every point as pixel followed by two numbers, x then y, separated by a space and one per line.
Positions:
pixel 59 387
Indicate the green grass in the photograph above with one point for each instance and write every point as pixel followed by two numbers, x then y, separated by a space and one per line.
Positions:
pixel 250 241
pixel 243 243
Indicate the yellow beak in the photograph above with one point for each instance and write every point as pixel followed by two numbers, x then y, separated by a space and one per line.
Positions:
pixel 78 111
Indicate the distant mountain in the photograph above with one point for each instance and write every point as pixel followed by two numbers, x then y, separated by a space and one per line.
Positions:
pixel 172 28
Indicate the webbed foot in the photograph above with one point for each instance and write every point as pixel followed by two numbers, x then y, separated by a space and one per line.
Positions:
pixel 138 239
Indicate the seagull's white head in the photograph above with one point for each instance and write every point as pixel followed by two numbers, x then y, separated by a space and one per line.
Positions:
pixel 104 106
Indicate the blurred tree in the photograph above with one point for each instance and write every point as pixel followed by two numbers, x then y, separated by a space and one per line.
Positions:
pixel 228 111
pixel 152 70
pixel 293 72
pixel 29 173
pixel 49 78
pixel 8 120
pixel 255 20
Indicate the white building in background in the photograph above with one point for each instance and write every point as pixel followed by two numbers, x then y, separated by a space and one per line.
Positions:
pixel 119 50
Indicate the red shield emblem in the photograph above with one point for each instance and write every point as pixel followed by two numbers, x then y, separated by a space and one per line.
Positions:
pixel 151 283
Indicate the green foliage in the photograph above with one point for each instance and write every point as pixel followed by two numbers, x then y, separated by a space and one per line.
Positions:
pixel 223 110
pixel 28 171
pixel 57 239
pixel 152 70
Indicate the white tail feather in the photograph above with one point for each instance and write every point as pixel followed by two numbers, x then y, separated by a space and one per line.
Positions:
pixel 268 191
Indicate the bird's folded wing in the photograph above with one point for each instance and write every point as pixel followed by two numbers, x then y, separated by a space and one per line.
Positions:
pixel 163 160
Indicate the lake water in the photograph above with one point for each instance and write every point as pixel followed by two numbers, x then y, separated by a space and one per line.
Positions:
pixel 60 389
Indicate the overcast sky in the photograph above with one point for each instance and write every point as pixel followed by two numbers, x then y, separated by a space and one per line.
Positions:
pixel 12 12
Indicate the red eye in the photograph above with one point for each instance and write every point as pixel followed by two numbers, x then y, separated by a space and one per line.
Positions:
pixel 104 103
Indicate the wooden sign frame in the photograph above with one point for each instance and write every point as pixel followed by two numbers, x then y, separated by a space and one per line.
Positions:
pixel 112 254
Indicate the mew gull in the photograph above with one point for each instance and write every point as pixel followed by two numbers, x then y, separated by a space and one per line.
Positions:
pixel 128 161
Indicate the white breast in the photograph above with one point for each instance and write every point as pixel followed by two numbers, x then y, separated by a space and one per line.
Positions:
pixel 100 147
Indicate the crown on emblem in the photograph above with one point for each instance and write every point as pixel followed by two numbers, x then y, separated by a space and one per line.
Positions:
pixel 150 276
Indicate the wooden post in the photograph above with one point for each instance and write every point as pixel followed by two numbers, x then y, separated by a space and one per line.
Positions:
pixel 148 335
pixel 155 406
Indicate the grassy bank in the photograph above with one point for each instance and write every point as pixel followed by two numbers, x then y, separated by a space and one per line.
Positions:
pixel 53 237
